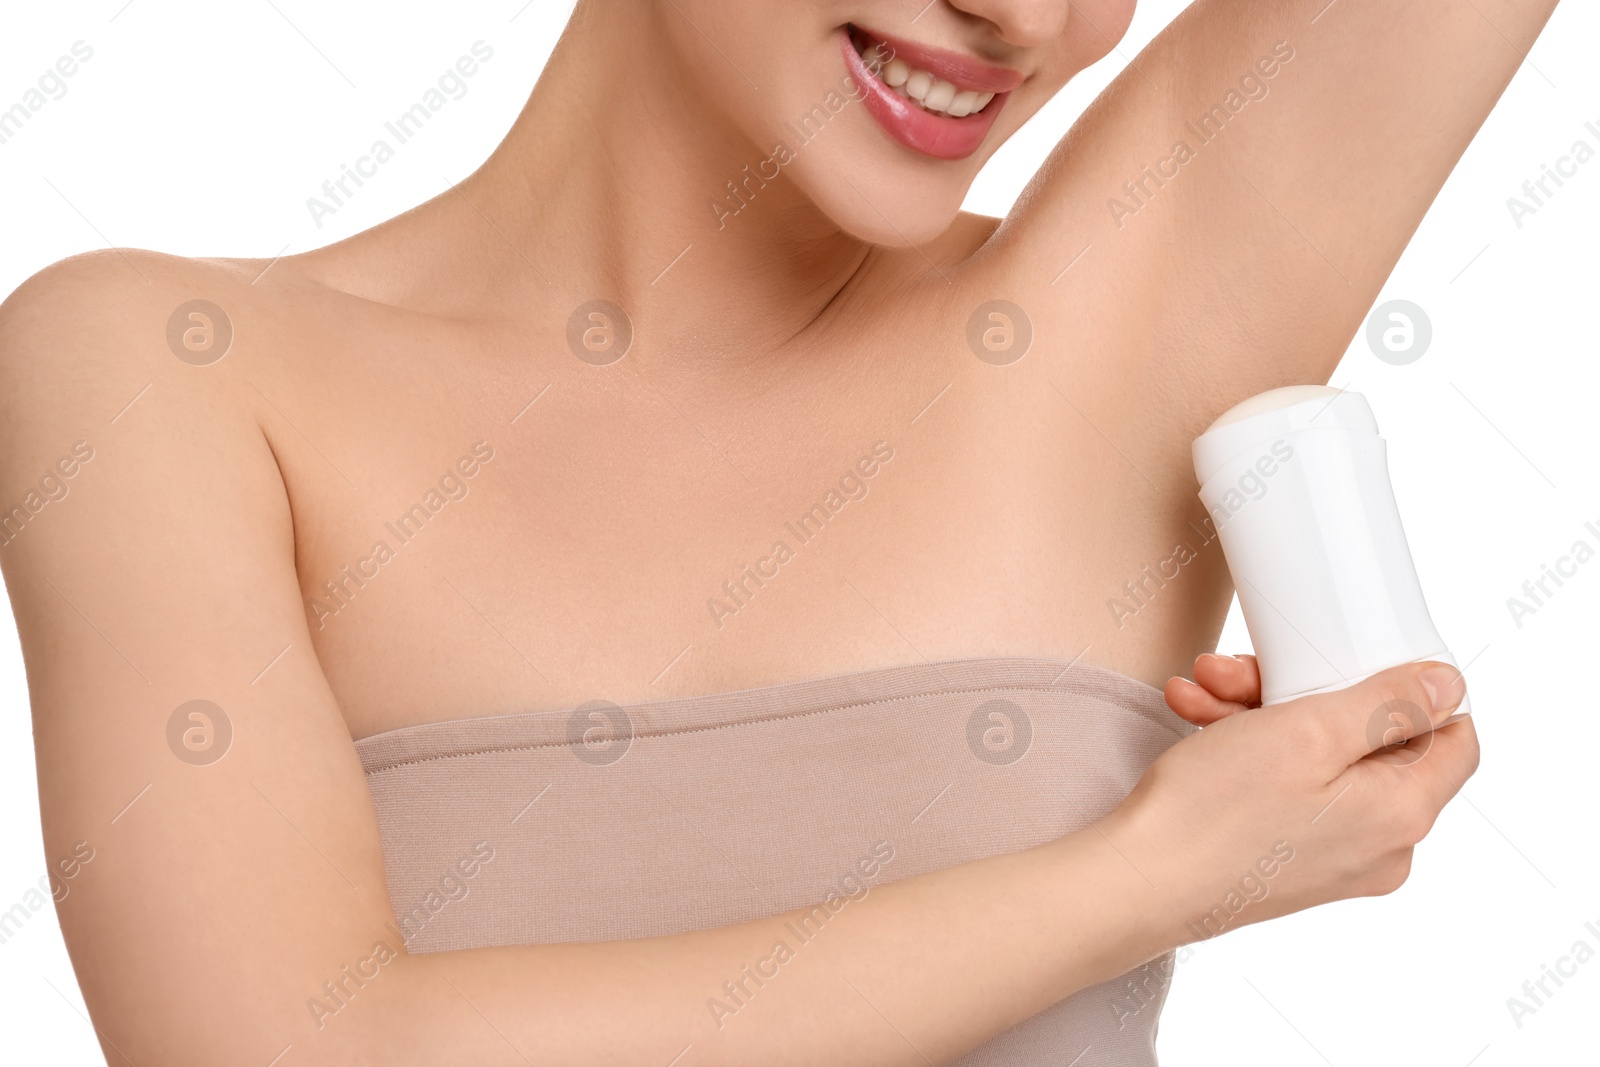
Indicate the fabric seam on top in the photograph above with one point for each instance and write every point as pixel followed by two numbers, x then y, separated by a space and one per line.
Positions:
pixel 756 721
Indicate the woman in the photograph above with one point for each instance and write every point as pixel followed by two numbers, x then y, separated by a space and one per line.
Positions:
pixel 657 601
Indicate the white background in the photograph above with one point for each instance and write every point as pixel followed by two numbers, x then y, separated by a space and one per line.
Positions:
pixel 201 129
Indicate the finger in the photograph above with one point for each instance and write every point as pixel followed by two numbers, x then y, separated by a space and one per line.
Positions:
pixel 1232 678
pixel 1380 712
pixel 1196 704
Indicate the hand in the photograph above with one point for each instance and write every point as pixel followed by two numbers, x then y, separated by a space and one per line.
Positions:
pixel 1269 810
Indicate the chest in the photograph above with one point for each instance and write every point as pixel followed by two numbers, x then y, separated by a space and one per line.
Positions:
pixel 506 536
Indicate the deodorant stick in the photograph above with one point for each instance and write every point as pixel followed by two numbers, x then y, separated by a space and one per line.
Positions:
pixel 1297 484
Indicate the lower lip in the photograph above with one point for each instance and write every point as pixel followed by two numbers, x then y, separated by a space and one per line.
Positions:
pixel 938 136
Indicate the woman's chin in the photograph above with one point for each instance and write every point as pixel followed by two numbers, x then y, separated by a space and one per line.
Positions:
pixel 882 210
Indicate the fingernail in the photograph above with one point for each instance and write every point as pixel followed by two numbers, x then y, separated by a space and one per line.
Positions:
pixel 1445 687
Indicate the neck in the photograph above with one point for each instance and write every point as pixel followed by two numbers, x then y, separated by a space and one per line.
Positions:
pixel 614 183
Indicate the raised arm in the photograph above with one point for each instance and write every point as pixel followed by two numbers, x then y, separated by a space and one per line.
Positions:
pixel 1240 193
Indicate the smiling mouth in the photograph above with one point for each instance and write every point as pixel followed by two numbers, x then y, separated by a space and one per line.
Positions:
pixel 922 88
pixel 938 102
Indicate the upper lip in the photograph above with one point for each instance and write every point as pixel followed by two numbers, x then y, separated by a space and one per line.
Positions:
pixel 962 71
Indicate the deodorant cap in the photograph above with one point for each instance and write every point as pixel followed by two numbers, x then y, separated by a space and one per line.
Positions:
pixel 1267 416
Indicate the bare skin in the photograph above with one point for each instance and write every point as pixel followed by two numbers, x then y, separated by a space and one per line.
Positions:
pixel 831 314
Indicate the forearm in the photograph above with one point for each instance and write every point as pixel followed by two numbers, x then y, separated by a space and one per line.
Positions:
pixel 914 971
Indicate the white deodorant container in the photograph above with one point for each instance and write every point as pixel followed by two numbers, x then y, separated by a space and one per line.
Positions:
pixel 1296 481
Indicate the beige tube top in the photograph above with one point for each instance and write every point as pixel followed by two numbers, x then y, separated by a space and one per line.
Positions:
pixel 603 823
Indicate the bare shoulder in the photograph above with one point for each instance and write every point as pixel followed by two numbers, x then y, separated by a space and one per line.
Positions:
pixel 125 362
pixel 115 287
pixel 76 335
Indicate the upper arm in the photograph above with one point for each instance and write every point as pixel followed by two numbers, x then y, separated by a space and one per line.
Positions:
pixel 230 875
pixel 1241 192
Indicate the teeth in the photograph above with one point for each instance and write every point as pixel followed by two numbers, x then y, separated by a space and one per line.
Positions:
pixel 965 103
pixel 939 96
pixel 934 95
